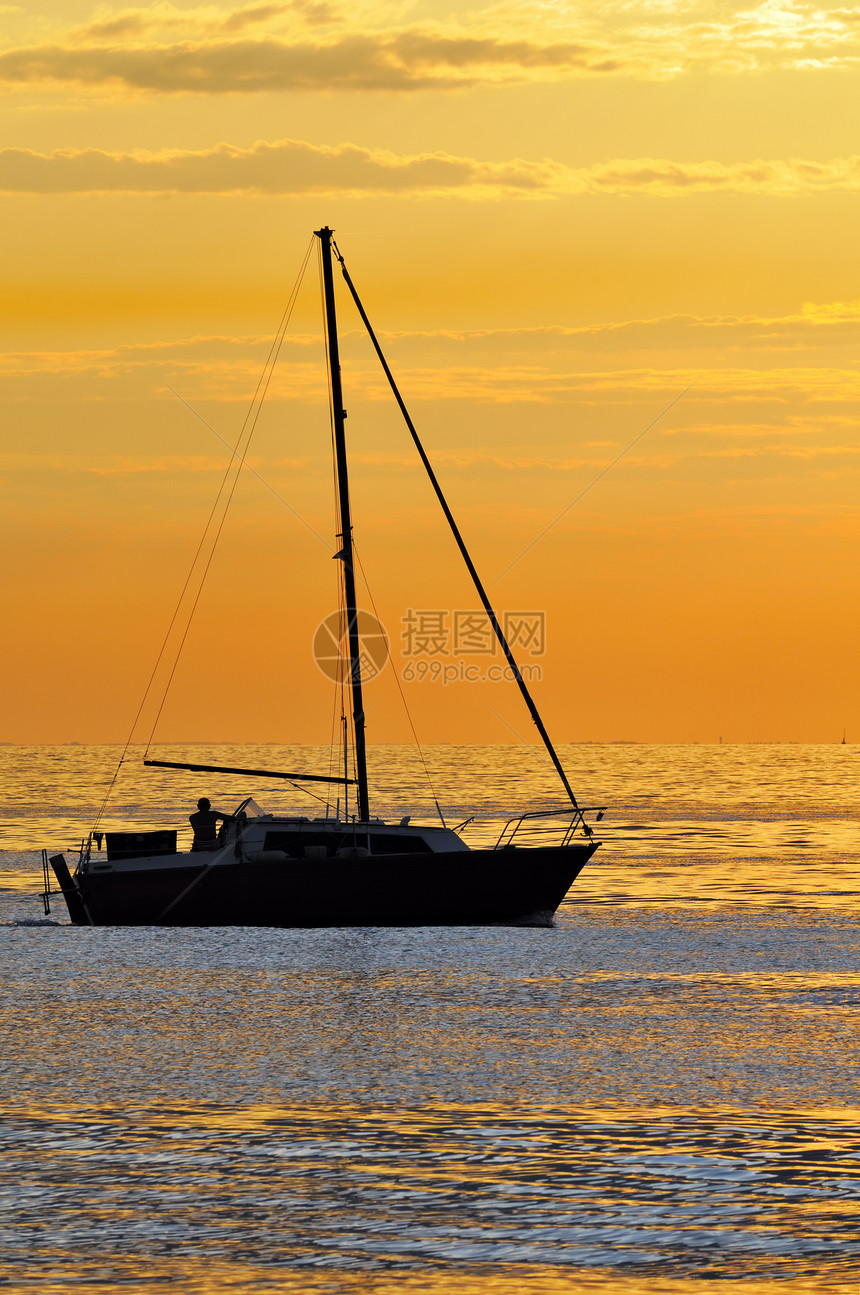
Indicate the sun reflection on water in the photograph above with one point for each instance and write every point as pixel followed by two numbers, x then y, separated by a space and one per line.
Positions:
pixel 450 1197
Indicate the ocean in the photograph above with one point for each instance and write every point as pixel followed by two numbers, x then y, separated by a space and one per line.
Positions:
pixel 659 1094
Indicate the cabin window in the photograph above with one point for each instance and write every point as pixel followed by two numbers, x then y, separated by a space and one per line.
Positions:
pixel 388 844
pixel 139 845
pixel 295 843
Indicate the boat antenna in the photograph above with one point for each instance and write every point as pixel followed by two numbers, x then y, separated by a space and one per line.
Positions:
pixel 345 553
pixel 476 579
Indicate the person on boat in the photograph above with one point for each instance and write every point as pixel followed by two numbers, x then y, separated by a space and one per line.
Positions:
pixel 205 824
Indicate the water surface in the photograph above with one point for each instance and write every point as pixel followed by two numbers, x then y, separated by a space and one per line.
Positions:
pixel 659 1094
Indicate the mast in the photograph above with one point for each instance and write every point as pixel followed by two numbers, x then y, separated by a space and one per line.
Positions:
pixel 346 552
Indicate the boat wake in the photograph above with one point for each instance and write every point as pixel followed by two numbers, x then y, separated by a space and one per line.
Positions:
pixel 33 921
pixel 544 917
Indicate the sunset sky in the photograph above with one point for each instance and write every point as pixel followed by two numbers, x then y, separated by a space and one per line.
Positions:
pixel 561 218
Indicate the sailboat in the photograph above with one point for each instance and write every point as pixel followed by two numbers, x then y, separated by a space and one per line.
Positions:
pixel 267 869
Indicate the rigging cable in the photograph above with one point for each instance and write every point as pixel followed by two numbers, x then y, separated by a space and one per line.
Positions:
pixel 274 351
pixel 252 417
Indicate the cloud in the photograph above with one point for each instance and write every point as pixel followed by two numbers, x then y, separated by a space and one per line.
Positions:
pixel 776 177
pixel 166 19
pixel 830 326
pixel 210 50
pixel 404 60
pixel 109 464
pixel 736 385
pixel 293 167
pixel 284 167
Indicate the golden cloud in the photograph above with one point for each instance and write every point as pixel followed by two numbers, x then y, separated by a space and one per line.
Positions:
pixel 166 19
pixel 292 167
pixel 402 61
pixel 206 49
pixel 817 327
pixel 109 464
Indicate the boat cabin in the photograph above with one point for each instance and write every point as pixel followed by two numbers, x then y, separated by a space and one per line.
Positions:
pixel 252 834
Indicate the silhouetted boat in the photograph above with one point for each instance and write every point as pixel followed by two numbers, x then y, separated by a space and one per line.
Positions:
pixel 356 870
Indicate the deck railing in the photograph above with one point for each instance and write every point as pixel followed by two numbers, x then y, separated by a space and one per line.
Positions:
pixel 548 827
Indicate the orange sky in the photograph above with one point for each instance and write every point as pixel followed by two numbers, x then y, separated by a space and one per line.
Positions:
pixel 559 218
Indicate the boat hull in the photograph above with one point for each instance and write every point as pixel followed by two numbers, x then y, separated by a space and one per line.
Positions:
pixel 476 887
